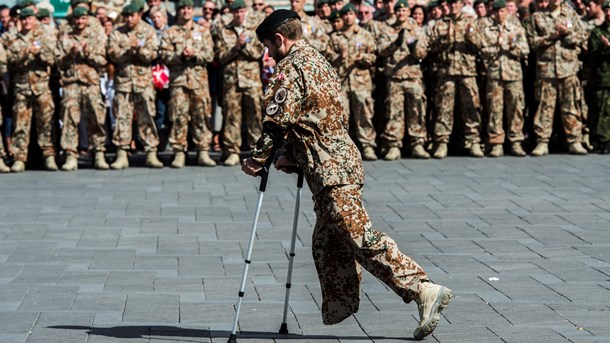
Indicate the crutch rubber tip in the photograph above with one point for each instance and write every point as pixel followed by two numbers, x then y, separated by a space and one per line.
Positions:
pixel 232 338
pixel 284 329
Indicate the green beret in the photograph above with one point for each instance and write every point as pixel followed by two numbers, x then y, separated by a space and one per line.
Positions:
pixel 322 2
pixel 605 5
pixel 452 1
pixel 348 8
pixel 79 12
pixel 401 4
pixel 479 2
pixel 130 8
pixel 237 4
pixel 334 1
pixel 432 4
pixel 76 2
pixel 26 12
pixel 24 3
pixel 272 21
pixel 182 3
pixel 43 13
pixel 498 4
pixel 139 3
pixel 334 15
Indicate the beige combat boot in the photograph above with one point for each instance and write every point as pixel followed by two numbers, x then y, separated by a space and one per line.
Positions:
pixel 541 149
pixel 418 151
pixel 100 161
pixel 441 151
pixel 152 161
pixel 49 163
pixel 179 159
pixel 576 148
pixel 18 167
pixel 392 154
pixel 3 167
pixel 496 151
pixel 431 300
pixel 121 161
pixel 517 150
pixel 71 163
pixel 232 160
pixel 368 154
pixel 204 159
pixel 475 150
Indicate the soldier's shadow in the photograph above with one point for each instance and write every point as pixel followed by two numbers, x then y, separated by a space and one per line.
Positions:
pixel 173 333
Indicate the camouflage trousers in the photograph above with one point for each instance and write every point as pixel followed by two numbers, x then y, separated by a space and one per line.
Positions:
pixel 43 108
pixel 361 110
pixel 2 150
pixel 142 105
pixel 602 105
pixel 567 93
pixel 187 106
pixel 240 102
pixel 505 97
pixel 465 89
pixel 85 100
pixel 343 240
pixel 406 101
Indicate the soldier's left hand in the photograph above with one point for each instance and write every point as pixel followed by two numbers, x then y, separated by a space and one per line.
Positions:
pixel 34 50
pixel 188 52
pixel 250 166
pixel 605 41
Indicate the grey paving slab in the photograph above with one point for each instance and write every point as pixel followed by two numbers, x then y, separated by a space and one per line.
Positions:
pixel 145 255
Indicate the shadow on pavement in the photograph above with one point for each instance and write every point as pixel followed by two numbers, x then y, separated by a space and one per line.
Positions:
pixel 173 331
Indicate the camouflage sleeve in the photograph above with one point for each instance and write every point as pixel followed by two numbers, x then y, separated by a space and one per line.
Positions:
pixel 167 50
pixel 97 53
pixel 47 49
pixel 386 43
pixel 148 52
pixel 331 54
pixel 62 58
pixel 253 50
pixel 368 55
pixel 286 79
pixel 534 39
pixel 436 41
pixel 118 52
pixel 521 49
pixel 577 34
pixel 3 61
pixel 596 48
pixel 224 54
pixel 420 48
pixel 205 55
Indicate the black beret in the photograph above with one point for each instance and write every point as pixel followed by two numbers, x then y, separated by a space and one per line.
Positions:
pixel 275 19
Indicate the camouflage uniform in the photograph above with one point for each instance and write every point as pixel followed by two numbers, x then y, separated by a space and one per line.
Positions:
pixel 600 56
pixel 242 86
pixel 557 66
pixel 406 96
pixel 81 87
pixel 3 70
pixel 314 32
pixel 302 106
pixel 355 77
pixel 502 47
pixel 30 77
pixel 457 78
pixel 133 84
pixel 190 94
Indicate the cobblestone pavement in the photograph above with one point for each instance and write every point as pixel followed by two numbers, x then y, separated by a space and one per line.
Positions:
pixel 146 255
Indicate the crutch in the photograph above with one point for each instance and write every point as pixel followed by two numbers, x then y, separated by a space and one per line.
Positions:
pixel 295 222
pixel 264 174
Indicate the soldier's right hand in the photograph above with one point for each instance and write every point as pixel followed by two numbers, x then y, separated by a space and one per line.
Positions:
pixel 34 49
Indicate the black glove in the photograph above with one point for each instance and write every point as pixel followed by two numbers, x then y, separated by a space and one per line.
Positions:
pixel 400 38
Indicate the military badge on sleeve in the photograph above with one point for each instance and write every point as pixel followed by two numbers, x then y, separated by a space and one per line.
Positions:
pixel 280 95
pixel 272 108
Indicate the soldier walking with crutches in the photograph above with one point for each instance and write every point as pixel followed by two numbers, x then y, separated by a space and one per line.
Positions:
pixel 304 115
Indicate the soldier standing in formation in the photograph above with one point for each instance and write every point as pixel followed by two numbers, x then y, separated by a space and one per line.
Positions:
pixel 403 50
pixel 3 167
pixel 30 56
pixel 80 56
pixel 352 52
pixel 502 46
pixel 240 53
pixel 132 48
pixel 187 48
pixel 555 33
pixel 599 50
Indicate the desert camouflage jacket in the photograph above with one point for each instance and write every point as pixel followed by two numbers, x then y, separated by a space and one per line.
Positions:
pixel 403 62
pixel 451 40
pixel 82 67
pixel 303 101
pixel 190 73
pixel 2 60
pixel 354 68
pixel 600 55
pixel 314 32
pixel 132 65
pixel 30 73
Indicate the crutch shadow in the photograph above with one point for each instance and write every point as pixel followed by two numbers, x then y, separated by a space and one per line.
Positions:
pixel 175 333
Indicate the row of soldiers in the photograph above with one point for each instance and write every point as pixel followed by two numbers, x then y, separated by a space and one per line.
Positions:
pixel 392 49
